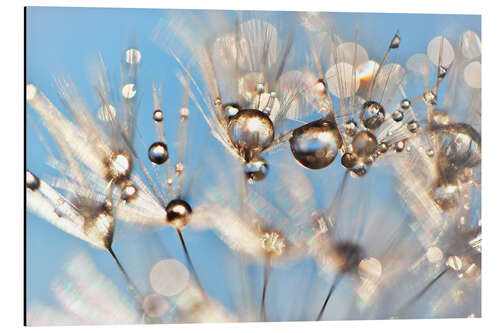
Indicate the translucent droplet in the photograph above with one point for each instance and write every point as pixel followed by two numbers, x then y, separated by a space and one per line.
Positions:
pixel 256 170
pixel 430 97
pixel 397 116
pixel 364 144
pixel 315 145
pixel 217 101
pixel 158 115
pixel 349 160
pixel 128 91
pixel 412 126
pixel 405 104
pixel 442 71
pixel 158 153
pixel 179 167
pixel 32 181
pixel 350 127
pixel 247 85
pixel 472 74
pixel 184 113
pixel 395 41
pixel 129 192
pixel 251 131
pixel 434 51
pixel 372 115
pixel 358 171
pixel 399 146
pixel 231 109
pixel 119 166
pixel 168 277
pixel 347 256
pixel 382 147
pixel 430 152
pixel 178 213
pixel 132 56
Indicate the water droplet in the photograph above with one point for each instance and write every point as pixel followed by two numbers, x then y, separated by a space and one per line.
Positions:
pixel 179 167
pixel 382 147
pixel 128 91
pixel 32 181
pixel 184 113
pixel 256 170
pixel 259 88
pixel 315 145
pixel 405 104
pixel 350 127
pixel 231 109
pixel 397 116
pixel 430 152
pixel 158 115
pixel 170 181
pixel 358 171
pixel 158 153
pixel 442 71
pixel 430 97
pixel 178 213
pixel 129 192
pixel 132 56
pixel 251 131
pixel 364 144
pixel 349 160
pixel 217 101
pixel 372 115
pixel 395 41
pixel 119 166
pixel 413 126
pixel 439 118
pixel 399 146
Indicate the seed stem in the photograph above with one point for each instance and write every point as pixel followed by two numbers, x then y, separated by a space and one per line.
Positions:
pixel 335 283
pixel 190 264
pixel 267 266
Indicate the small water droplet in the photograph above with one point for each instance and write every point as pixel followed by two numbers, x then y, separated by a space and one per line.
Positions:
pixel 413 126
pixel 315 145
pixel 251 131
pixel 128 91
pixel 442 71
pixel 179 168
pixel 184 113
pixel 32 181
pixel 372 115
pixel 218 101
pixel 358 171
pixel 256 170
pixel 350 127
pixel 364 144
pixel 129 192
pixel 231 109
pixel 132 56
pixel 158 115
pixel 119 166
pixel 399 146
pixel 395 41
pixel 158 153
pixel 382 147
pixel 397 116
pixel 405 104
pixel 259 88
pixel 170 181
pixel 430 152
pixel 430 97
pixel 178 213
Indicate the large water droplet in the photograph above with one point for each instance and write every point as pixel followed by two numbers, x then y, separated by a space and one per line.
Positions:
pixel 364 144
pixel 251 131
pixel 372 115
pixel 349 160
pixel 256 170
pixel 315 145
pixel 178 213
pixel 158 153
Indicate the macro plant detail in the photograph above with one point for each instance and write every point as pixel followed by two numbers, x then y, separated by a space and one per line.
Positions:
pixel 279 168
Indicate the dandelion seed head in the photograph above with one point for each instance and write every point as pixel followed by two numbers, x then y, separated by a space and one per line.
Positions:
pixel 273 243
pixel 133 56
pixel 315 145
pixel 169 277
pixel 158 153
pixel 472 74
pixel 440 46
pixel 178 213
pixel 128 91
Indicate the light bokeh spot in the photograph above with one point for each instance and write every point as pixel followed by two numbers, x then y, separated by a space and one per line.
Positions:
pixel 169 277
pixel 472 74
pixel 434 50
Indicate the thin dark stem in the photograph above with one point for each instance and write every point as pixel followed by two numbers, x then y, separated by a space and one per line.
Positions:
pixel 267 267
pixel 335 283
pixel 415 298
pixel 190 264
pixel 133 289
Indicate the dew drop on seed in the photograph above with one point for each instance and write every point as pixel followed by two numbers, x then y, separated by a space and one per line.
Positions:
pixel 132 56
pixel 372 115
pixel 349 160
pixel 158 153
pixel 231 109
pixel 382 147
pixel 32 181
pixel 350 127
pixel 179 168
pixel 358 171
pixel 405 104
pixel 430 97
pixel 178 213
pixel 315 145
pixel 364 144
pixel 184 112
pixel 251 131
pixel 256 170
pixel 158 115
pixel 412 126
pixel 128 192
pixel 396 40
pixel 128 91
pixel 397 116
pixel 119 166
pixel 399 146
pixel 442 71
